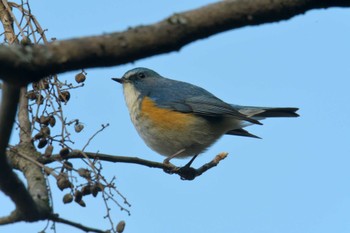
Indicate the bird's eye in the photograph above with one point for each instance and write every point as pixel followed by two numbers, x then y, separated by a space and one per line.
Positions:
pixel 141 75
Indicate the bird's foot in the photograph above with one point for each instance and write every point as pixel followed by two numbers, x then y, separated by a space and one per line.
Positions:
pixel 186 172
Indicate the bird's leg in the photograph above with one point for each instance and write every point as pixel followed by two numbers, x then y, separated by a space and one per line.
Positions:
pixel 186 172
pixel 191 161
pixel 167 160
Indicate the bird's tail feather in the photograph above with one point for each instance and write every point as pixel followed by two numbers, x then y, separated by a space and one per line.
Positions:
pixel 264 112
pixel 260 113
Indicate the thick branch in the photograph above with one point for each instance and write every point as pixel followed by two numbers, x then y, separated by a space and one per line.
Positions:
pixel 165 36
pixel 10 184
pixel 23 117
pixel 6 21
pixel 31 204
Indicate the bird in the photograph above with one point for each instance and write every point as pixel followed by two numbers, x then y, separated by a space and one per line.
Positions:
pixel 179 120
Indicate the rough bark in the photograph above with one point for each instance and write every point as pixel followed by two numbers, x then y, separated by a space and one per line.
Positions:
pixel 24 64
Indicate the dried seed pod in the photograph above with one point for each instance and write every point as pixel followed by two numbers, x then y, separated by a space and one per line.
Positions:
pixel 68 165
pixel 52 121
pixel 68 198
pixel 42 143
pixel 82 203
pixel 36 119
pixel 63 182
pixel 101 187
pixel 80 78
pixel 35 86
pixel 31 95
pixel 78 196
pixel 48 151
pixel 96 188
pixel 26 41
pixel 38 136
pixel 64 152
pixel 78 127
pixel 86 190
pixel 39 99
pixel 44 120
pixel 44 84
pixel 45 130
pixel 120 226
pixel 48 171
pixel 64 96
pixel 94 191
pixel 85 173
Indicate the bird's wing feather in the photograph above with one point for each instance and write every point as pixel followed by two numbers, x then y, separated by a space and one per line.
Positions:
pixel 203 105
pixel 212 106
pixel 189 98
pixel 241 132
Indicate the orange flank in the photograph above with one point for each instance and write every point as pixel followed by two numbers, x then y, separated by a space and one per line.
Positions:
pixel 165 118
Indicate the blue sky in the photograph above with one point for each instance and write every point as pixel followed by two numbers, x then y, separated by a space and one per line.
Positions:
pixel 296 179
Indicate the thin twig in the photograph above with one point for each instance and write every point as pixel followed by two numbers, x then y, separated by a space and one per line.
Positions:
pixel 108 210
pixel 211 164
pixel 56 218
pixel 92 137
pixel 108 184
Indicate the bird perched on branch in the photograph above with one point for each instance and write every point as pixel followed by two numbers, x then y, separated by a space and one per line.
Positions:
pixel 178 119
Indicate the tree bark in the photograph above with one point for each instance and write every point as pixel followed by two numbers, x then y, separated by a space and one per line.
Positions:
pixel 24 64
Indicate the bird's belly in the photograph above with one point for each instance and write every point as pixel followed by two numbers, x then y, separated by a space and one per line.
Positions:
pixel 167 132
pixel 170 140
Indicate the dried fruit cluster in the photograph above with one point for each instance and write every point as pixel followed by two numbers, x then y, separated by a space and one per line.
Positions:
pixel 91 187
pixel 46 100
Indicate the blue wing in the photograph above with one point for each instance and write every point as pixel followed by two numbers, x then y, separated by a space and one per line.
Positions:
pixel 189 98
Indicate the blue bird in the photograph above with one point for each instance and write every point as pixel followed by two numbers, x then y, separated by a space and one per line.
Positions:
pixel 177 119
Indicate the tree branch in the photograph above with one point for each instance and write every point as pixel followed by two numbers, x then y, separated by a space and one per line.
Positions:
pixel 10 184
pixel 7 23
pixel 31 204
pixel 185 174
pixel 30 63
pixel 56 218
pixel 23 117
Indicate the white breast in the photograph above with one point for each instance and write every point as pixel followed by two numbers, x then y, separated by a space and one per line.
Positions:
pixel 131 96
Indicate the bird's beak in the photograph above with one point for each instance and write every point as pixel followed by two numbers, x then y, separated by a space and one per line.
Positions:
pixel 119 80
